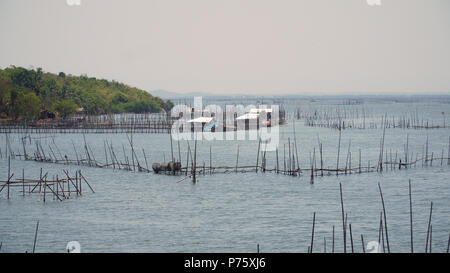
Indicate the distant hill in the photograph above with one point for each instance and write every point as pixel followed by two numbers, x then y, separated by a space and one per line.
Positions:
pixel 27 93
pixel 173 95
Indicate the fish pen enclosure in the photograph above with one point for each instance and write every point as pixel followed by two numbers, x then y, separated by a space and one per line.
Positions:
pixel 113 123
pixel 349 116
pixel 311 173
pixel 55 187
pixel 285 160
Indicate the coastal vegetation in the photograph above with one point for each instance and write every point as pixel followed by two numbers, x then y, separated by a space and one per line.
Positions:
pixel 32 94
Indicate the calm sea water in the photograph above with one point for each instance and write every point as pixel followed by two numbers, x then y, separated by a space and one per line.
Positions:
pixel 233 212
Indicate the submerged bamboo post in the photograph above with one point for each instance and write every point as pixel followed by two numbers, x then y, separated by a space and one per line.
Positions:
pixel 363 246
pixel 343 219
pixel 359 160
pixel 382 231
pixel 257 155
pixel 448 156
pixel 76 179
pixel 171 148
pixel 23 182
pixel 351 236
pixel 385 222
pixel 106 154
pixel 194 168
pixel 380 226
pixel 312 234
pixel 429 226
pixel 187 158
pixel 264 157
pixel 85 181
pixel 237 158
pixel 296 153
pixel 410 217
pixel 35 236
pixel 278 166
pixel 339 149
pixel 431 236
pixel 179 151
pixel 347 161
pixel 321 160
pixel 68 189
pixel 145 158
pixel 289 157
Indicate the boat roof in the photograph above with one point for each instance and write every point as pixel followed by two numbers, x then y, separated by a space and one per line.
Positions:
pixel 201 120
pixel 248 116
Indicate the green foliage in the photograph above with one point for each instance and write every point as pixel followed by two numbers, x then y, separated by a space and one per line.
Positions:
pixel 65 107
pixel 168 105
pixel 96 96
pixel 26 78
pixel 142 107
pixel 27 106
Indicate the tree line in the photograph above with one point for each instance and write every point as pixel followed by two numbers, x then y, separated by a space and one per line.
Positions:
pixel 32 94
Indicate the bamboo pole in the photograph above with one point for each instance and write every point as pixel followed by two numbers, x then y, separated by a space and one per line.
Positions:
pixel 23 182
pixel 312 234
pixel 359 160
pixel 179 152
pixel 429 227
pixel 278 166
pixel 351 236
pixel 385 221
pixel 343 220
pixel 363 246
pixel 85 181
pixel 321 160
pixel 35 236
pixel 257 155
pixel 296 153
pixel 195 161
pixel 145 158
pixel 171 148
pixel 339 149
pixel 410 217
pixel 237 157
pixel 431 237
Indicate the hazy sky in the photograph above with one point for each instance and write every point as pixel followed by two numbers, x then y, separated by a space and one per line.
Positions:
pixel 237 46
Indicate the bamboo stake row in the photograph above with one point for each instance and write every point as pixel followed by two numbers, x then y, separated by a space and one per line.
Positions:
pixel 59 188
pixel 383 235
